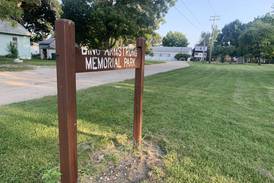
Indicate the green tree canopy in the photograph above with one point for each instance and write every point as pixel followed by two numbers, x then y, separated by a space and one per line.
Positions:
pixel 38 16
pixel 204 38
pixel 258 40
pixel 10 9
pixel 253 40
pixel 101 23
pixel 174 39
pixel 230 33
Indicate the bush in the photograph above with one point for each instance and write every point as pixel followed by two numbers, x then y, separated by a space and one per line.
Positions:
pixel 36 56
pixel 180 56
pixel 12 49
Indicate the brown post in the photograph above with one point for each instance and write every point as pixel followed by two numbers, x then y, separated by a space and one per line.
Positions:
pixel 139 88
pixel 66 85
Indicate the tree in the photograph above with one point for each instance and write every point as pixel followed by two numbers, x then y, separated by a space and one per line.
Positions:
pixel 222 51
pixel 252 40
pixel 152 40
pixel 39 17
pixel 181 56
pixel 230 33
pixel 228 40
pixel 175 39
pixel 258 40
pixel 101 23
pixel 10 9
pixel 13 51
pixel 204 39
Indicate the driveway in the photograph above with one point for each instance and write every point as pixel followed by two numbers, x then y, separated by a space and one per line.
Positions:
pixel 33 84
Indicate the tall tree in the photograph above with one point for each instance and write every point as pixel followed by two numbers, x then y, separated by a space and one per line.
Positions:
pixel 230 33
pixel 153 39
pixel 101 23
pixel 39 17
pixel 258 40
pixel 228 40
pixel 10 9
pixel 175 39
pixel 253 40
pixel 204 39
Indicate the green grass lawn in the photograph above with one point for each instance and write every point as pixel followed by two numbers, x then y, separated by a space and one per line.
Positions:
pixel 150 62
pixel 7 64
pixel 214 123
pixel 33 61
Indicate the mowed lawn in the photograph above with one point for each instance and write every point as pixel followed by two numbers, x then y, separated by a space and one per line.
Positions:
pixel 214 123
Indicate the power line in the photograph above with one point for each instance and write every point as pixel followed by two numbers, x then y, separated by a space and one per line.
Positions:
pixel 189 21
pixel 214 19
pixel 211 6
pixel 189 10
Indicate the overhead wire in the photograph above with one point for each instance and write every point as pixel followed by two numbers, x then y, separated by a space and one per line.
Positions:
pixel 191 12
pixel 186 18
pixel 211 6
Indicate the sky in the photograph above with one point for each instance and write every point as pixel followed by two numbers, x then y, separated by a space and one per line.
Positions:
pixel 191 17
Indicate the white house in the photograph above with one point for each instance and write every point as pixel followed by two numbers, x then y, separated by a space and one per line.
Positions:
pixel 167 53
pixel 16 34
pixel 47 49
pixel 200 52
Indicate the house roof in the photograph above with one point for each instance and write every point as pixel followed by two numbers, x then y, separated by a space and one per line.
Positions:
pixel 200 48
pixel 13 28
pixel 171 49
pixel 48 43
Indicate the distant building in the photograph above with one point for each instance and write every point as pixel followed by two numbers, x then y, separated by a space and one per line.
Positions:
pixel 47 49
pixel 200 52
pixel 16 34
pixel 161 53
pixel 34 48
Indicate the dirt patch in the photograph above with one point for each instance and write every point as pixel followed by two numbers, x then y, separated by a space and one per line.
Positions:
pixel 144 164
pixel 266 173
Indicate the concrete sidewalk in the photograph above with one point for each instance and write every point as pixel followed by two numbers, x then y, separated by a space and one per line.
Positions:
pixel 27 85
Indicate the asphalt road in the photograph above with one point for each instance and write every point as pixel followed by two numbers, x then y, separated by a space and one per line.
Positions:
pixel 33 84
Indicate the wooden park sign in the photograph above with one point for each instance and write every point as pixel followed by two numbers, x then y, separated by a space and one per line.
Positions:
pixel 72 60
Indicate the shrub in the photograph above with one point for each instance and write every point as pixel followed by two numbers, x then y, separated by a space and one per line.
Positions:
pixel 180 56
pixel 12 49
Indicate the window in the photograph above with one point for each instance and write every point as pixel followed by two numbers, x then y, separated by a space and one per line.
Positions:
pixel 14 41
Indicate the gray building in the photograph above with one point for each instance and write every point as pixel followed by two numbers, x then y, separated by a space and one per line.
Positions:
pixel 47 49
pixel 167 53
pixel 16 34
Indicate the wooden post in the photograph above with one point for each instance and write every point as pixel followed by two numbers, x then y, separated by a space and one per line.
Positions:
pixel 139 88
pixel 66 85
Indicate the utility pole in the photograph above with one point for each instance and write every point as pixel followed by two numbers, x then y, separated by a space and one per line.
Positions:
pixel 272 11
pixel 213 20
pixel 203 58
